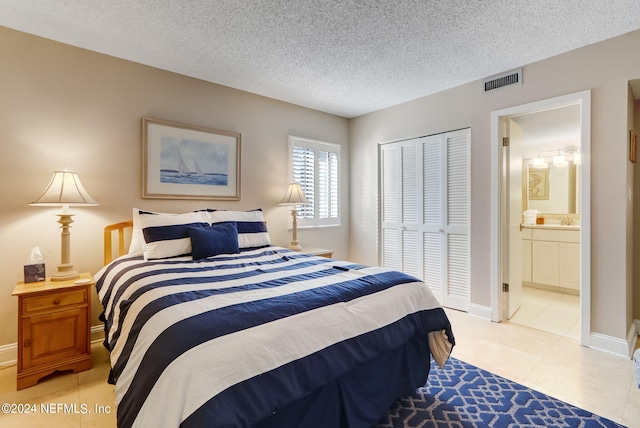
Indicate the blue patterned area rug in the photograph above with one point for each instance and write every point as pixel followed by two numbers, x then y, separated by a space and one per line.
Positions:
pixel 462 395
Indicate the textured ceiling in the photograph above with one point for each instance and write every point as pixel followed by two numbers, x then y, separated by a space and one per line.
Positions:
pixel 343 57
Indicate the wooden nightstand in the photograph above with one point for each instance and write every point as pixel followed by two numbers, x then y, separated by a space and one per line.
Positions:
pixel 54 322
pixel 321 252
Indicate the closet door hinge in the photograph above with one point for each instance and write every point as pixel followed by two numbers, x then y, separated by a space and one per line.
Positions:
pixel 505 287
pixel 505 141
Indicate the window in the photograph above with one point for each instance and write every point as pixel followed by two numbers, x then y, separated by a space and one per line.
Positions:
pixel 315 166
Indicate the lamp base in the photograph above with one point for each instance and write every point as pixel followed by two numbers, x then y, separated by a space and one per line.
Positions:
pixel 65 268
pixel 65 273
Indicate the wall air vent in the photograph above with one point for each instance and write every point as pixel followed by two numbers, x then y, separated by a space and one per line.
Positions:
pixel 513 77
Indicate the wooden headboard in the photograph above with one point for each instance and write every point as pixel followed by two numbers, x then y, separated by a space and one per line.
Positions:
pixel 108 241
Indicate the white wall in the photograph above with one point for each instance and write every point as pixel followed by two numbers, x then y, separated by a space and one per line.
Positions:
pixel 64 106
pixel 605 68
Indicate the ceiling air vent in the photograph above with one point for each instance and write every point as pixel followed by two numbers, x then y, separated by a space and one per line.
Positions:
pixel 505 79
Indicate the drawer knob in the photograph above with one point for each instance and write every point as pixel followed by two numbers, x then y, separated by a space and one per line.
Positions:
pixel 56 302
pixel 27 343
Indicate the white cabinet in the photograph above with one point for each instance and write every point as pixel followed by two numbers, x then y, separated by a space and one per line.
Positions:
pixel 553 258
pixel 569 255
pixel 546 265
pixel 526 255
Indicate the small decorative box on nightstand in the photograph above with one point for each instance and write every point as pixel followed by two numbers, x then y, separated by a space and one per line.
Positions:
pixel 321 252
pixel 54 320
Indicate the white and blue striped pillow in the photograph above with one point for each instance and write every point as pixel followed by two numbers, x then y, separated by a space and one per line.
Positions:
pixel 167 235
pixel 252 229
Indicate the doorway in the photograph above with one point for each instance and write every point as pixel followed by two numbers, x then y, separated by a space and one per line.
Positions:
pixel 511 172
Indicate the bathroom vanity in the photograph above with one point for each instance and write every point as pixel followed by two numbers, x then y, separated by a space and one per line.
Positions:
pixel 551 257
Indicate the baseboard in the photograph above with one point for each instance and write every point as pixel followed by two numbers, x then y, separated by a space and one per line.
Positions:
pixel 612 345
pixel 97 333
pixel 9 352
pixel 479 311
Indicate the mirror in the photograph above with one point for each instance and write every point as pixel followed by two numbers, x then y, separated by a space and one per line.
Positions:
pixel 552 189
pixel 551 153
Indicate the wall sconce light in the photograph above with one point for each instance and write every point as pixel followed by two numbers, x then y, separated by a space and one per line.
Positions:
pixel 560 160
pixel 293 197
pixel 539 163
pixel 65 190
pixel 577 159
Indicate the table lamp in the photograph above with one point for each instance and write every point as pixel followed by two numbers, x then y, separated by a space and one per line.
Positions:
pixel 293 197
pixel 65 190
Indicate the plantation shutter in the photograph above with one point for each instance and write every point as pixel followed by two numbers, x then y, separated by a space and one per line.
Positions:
pixel 315 166
pixel 303 164
pixel 327 184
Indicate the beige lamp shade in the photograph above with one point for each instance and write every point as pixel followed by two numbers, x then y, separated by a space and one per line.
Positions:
pixel 294 196
pixel 65 190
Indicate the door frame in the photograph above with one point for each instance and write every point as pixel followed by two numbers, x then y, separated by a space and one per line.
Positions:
pixel 583 99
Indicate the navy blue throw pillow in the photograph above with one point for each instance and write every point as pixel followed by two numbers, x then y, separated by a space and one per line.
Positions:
pixel 209 241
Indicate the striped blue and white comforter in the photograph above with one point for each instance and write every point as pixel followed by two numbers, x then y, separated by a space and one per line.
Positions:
pixel 236 337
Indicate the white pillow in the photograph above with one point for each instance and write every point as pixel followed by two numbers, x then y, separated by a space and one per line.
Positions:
pixel 252 229
pixel 136 247
pixel 167 235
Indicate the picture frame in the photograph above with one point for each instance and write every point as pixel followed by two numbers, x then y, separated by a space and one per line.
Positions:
pixel 633 146
pixel 182 161
pixel 538 184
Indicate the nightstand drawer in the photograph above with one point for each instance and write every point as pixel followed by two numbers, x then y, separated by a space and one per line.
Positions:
pixel 54 301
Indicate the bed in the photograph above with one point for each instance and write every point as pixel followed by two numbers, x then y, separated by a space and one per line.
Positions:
pixel 248 334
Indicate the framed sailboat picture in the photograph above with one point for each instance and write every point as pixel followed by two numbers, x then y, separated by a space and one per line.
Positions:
pixel 189 162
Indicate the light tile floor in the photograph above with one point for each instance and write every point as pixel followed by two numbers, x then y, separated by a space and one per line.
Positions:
pixel 549 311
pixel 556 365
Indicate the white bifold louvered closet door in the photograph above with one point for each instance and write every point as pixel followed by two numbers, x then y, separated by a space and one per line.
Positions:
pixel 425 212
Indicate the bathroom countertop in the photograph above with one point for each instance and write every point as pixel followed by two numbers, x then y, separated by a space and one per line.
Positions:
pixel 551 226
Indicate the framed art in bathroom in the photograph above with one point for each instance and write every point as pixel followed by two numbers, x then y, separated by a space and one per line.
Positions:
pixel 538 184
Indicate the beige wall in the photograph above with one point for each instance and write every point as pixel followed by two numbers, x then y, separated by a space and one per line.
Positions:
pixel 605 69
pixel 63 106
pixel 636 222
